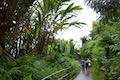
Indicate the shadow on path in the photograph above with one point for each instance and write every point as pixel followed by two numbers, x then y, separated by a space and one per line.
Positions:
pixel 83 76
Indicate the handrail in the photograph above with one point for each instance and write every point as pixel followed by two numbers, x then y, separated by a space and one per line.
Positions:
pixel 55 73
pixel 64 75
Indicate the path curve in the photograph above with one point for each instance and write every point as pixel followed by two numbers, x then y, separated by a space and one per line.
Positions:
pixel 83 76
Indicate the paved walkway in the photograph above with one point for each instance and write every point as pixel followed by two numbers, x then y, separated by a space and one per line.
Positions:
pixel 83 76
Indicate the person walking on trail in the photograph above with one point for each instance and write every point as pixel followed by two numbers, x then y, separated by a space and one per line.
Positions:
pixel 82 62
pixel 88 65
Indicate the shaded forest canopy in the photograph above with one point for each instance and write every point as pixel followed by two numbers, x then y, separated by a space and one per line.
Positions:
pixel 104 47
pixel 29 50
pixel 31 24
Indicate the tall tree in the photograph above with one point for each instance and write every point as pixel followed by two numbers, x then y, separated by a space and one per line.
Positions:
pixel 109 10
pixel 33 23
pixel 10 13
pixel 51 17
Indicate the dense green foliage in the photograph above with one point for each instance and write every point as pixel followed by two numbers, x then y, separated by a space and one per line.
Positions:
pixel 28 48
pixel 109 10
pixel 104 51
pixel 32 24
pixel 31 67
pixel 104 45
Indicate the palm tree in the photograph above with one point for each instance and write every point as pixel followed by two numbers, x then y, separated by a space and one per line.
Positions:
pixel 52 17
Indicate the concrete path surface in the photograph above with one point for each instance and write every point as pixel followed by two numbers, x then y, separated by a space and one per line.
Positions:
pixel 83 76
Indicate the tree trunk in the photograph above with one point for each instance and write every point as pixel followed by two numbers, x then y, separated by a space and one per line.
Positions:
pixel 41 43
pixel 5 20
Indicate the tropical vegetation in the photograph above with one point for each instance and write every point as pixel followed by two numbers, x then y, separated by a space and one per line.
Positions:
pixel 28 47
pixel 103 47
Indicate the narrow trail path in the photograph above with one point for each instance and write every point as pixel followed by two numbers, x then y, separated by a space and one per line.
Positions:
pixel 83 76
